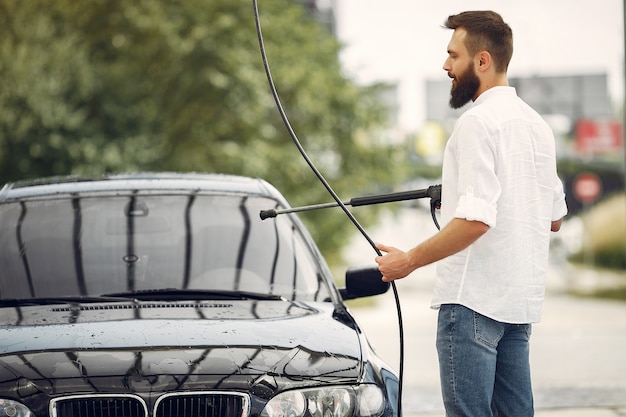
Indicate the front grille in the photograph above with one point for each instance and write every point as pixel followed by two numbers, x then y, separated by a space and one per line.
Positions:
pixel 200 404
pixel 184 404
pixel 98 406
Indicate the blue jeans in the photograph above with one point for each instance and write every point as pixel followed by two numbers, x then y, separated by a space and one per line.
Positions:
pixel 483 364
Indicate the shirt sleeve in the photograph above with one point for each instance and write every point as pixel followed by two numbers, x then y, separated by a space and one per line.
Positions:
pixel 559 208
pixel 478 185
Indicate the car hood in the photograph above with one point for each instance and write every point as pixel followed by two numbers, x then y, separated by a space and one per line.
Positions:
pixel 147 346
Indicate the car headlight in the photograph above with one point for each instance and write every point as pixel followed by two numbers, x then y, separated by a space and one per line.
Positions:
pixel 341 401
pixel 10 408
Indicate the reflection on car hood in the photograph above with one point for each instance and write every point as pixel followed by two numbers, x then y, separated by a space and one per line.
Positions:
pixel 262 345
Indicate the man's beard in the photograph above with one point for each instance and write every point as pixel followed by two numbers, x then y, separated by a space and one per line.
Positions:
pixel 467 84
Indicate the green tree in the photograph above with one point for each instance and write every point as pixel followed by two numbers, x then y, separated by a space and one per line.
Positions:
pixel 111 85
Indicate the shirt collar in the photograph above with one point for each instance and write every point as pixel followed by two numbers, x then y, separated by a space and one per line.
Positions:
pixel 493 91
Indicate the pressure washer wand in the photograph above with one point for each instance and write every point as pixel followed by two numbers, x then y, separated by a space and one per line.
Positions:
pixel 434 192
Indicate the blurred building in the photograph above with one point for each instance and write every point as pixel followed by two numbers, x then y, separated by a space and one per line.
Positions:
pixel 322 11
pixel 573 96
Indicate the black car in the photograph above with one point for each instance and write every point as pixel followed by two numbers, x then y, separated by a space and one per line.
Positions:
pixel 167 295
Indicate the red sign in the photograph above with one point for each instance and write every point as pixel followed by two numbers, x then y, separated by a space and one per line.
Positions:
pixel 598 137
pixel 587 187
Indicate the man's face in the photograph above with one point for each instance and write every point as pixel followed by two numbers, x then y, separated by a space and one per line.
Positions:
pixel 460 68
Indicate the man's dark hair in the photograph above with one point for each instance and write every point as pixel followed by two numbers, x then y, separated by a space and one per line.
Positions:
pixel 486 31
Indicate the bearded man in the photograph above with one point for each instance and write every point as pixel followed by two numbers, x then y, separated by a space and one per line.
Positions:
pixel 501 197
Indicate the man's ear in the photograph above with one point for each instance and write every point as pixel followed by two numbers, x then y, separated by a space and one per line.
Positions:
pixel 483 61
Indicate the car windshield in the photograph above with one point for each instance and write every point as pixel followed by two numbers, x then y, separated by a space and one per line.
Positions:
pixel 91 245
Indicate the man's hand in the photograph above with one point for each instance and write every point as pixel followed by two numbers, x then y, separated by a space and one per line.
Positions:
pixel 394 265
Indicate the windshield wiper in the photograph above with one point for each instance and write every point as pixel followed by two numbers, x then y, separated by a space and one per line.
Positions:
pixel 15 302
pixel 166 294
pixel 183 294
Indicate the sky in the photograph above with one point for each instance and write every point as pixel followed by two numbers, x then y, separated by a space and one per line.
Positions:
pixel 403 41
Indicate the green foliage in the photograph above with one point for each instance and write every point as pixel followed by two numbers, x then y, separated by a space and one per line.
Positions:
pixel 113 85
pixel 606 257
pixel 604 240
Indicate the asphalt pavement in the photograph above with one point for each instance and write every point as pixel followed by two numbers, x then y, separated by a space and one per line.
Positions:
pixel 578 350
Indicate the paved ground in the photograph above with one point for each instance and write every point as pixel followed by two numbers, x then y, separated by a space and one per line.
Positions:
pixel 578 351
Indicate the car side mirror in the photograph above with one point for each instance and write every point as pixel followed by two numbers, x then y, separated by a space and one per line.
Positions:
pixel 363 281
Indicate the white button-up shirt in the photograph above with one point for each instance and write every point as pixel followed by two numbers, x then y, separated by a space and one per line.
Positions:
pixel 500 168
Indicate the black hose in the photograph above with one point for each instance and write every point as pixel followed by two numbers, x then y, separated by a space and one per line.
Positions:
pixel 296 141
